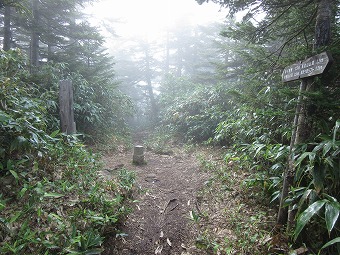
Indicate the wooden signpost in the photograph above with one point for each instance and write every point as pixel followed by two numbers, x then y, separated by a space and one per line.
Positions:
pixel 307 68
pixel 305 71
pixel 67 124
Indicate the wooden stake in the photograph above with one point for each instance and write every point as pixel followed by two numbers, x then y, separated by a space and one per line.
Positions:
pixel 67 124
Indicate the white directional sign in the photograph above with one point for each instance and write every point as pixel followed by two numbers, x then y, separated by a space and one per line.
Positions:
pixel 310 67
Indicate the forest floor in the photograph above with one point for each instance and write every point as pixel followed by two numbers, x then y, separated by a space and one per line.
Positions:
pixel 181 206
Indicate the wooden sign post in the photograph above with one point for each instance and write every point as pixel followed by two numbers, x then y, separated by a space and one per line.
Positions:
pixel 67 124
pixel 307 68
pixel 304 71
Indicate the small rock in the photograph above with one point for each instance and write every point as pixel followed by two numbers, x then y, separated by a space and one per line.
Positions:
pixel 120 166
pixel 151 178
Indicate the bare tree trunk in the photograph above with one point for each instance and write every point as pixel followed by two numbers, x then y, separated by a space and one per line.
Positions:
pixel 167 57
pixel 34 36
pixel 323 23
pixel 7 29
pixel 179 62
pixel 49 43
pixel 154 109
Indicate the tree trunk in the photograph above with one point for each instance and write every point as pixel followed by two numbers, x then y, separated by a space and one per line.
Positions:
pixel 289 174
pixel 179 62
pixel 302 127
pixel 49 42
pixel 34 36
pixel 323 23
pixel 167 58
pixel 7 29
pixel 154 109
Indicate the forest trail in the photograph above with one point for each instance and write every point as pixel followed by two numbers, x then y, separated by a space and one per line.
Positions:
pixel 167 190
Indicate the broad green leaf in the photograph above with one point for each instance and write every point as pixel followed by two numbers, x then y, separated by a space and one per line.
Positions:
pixel 54 216
pixel 336 127
pixel 311 156
pixel 10 164
pixel 326 148
pixel 22 192
pixel 331 242
pixel 93 251
pixel 50 245
pixel 54 134
pixel 335 153
pixel 260 147
pixel 34 138
pixel 18 143
pixel 306 215
pixel 15 217
pixel 97 218
pixel 15 175
pixel 304 196
pixel 73 252
pixel 276 166
pixel 332 210
pixel 275 196
pixel 282 152
pixel 329 161
pixel 318 177
pixel 330 198
pixel 4 117
pixel 318 147
pixel 53 195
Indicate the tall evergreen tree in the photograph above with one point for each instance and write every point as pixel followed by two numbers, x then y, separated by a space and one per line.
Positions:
pixel 7 28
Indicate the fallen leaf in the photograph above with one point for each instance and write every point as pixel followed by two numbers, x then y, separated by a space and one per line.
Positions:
pixel 301 250
pixel 183 246
pixel 159 249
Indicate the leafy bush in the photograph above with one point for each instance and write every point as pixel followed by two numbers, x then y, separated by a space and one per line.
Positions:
pixel 318 189
pixel 52 201
pixel 194 111
pixel 315 195
pixel 66 210
pixel 23 117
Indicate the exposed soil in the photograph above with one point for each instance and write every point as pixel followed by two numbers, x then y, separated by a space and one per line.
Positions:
pixel 167 190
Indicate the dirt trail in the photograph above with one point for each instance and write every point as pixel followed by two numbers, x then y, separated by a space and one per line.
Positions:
pixel 160 223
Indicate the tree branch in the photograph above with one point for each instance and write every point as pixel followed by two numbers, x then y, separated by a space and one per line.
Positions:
pixel 281 48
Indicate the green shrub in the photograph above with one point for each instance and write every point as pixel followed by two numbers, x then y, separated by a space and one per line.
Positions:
pixel 52 201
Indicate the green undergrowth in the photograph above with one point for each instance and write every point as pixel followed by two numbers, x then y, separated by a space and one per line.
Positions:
pixel 162 142
pixel 57 203
pixel 52 198
pixel 231 214
pixel 113 143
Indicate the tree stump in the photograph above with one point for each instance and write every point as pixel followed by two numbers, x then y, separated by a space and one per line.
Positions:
pixel 138 155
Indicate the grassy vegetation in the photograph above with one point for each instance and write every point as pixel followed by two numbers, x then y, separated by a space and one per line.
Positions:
pixel 52 199
pixel 60 205
pixel 231 214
